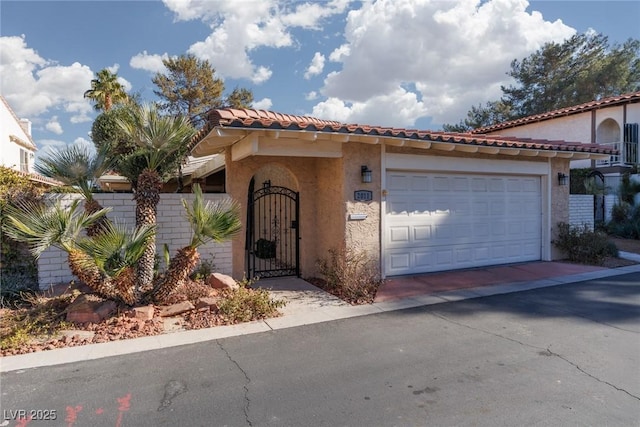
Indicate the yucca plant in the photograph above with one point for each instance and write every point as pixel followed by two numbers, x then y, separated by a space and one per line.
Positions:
pixel 104 262
pixel 77 166
pixel 162 145
pixel 211 221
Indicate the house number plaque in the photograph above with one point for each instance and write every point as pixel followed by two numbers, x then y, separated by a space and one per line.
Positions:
pixel 363 195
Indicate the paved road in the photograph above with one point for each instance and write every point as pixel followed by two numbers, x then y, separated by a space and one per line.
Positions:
pixel 561 356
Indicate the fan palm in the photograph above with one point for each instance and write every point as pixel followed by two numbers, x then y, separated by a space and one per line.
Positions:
pixel 106 90
pixel 77 166
pixel 104 263
pixel 211 221
pixel 161 145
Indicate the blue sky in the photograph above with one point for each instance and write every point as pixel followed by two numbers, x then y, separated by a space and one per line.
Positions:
pixel 403 63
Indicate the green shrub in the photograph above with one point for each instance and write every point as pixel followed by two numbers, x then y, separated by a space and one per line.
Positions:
pixel 245 304
pixel 620 212
pixel 204 269
pixel 350 274
pixel 18 268
pixel 625 221
pixel 583 245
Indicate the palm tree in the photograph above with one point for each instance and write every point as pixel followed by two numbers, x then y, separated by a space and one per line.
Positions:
pixel 216 222
pixel 76 166
pixel 106 90
pixel 104 263
pixel 161 146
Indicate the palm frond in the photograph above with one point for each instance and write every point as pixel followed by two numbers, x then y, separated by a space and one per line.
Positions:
pixel 117 248
pixel 162 141
pixel 41 226
pixel 74 165
pixel 212 221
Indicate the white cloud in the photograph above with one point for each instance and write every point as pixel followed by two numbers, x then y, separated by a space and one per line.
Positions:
pixel 263 104
pixel 311 96
pixel 152 63
pixel 450 55
pixel 33 85
pixel 316 66
pixel 399 108
pixel 307 15
pixel 54 126
pixel 237 31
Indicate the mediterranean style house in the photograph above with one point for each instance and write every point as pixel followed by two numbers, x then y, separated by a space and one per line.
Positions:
pixel 609 122
pixel 416 201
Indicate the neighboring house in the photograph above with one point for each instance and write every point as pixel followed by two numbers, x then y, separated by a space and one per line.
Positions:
pixel 17 149
pixel 610 122
pixel 417 201
pixel 208 171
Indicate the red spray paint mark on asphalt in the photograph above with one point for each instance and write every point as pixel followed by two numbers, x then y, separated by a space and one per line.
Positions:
pixel 72 414
pixel 23 421
pixel 125 405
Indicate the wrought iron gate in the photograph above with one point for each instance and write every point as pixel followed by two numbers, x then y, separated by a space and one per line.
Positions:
pixel 598 199
pixel 272 232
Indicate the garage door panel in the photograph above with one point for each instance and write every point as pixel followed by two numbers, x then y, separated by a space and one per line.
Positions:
pixel 438 222
pixel 422 233
pixel 399 234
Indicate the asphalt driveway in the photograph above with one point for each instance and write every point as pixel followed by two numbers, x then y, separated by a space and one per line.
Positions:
pixel 562 355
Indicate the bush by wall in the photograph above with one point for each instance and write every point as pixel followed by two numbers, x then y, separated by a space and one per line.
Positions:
pixel 18 268
pixel 583 245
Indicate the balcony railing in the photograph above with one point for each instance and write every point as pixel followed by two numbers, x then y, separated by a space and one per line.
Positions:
pixel 628 154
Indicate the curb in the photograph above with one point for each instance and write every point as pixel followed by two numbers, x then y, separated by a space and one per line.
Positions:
pixel 174 339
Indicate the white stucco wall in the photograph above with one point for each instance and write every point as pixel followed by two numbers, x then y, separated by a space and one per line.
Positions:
pixel 575 127
pixel 173 229
pixel 9 150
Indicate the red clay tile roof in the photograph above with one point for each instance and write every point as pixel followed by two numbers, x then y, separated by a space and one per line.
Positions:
pixel 39 178
pixel 627 98
pixel 261 119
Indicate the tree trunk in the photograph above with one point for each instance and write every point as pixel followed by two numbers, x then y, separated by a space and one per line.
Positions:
pixel 118 289
pixel 181 265
pixel 92 206
pixel 147 197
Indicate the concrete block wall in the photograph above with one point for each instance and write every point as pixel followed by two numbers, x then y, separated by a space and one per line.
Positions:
pixel 173 229
pixel 581 210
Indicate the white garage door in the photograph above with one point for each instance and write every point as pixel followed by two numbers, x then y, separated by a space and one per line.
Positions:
pixel 442 221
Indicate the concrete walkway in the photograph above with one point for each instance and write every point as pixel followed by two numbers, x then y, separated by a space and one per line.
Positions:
pixel 308 304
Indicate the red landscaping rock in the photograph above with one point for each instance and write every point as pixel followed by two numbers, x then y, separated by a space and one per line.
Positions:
pixel 175 309
pixel 89 309
pixel 142 313
pixel 221 281
pixel 76 335
pixel 207 302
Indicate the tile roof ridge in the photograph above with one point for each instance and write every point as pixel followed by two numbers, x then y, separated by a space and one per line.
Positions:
pixel 572 109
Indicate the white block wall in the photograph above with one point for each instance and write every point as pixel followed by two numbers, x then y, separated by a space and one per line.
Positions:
pixel 581 210
pixel 173 229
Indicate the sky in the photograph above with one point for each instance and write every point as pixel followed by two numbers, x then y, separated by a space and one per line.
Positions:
pixel 401 63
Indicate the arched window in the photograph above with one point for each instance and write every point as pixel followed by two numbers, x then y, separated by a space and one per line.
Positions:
pixel 608 131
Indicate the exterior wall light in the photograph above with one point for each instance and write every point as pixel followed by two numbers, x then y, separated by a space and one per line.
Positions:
pixel 563 179
pixel 365 173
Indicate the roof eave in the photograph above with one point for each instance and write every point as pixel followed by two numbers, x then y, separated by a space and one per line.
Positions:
pixel 223 137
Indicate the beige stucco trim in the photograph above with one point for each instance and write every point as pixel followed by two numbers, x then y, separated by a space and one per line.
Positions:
pixel 281 142
pixel 22 143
